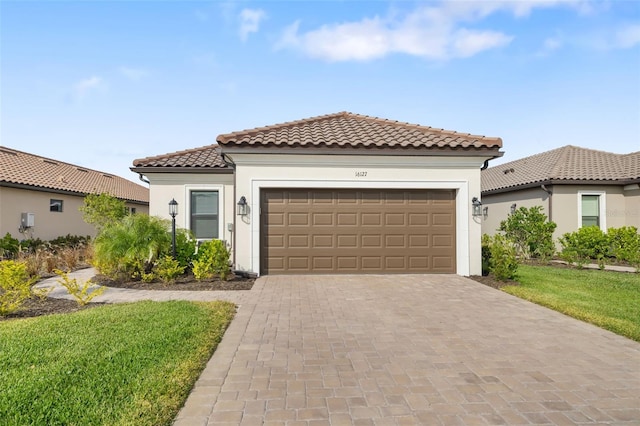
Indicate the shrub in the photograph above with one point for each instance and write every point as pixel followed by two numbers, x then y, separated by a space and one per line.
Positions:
pixel 531 232
pixel 212 259
pixel 486 254
pixel 502 260
pixel 168 269
pixel 586 243
pixel 15 286
pixel 9 246
pixel 624 244
pixel 101 210
pixel 80 292
pixel 185 247
pixel 70 241
pixel 131 246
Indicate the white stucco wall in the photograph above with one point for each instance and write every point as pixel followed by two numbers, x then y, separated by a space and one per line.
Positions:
pixel 254 172
pixel 167 186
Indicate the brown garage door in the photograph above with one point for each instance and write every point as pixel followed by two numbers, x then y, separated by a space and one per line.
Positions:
pixel 357 231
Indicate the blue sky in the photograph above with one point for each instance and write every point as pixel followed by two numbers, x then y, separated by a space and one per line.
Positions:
pixel 99 83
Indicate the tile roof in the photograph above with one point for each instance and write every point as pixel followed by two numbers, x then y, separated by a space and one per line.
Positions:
pixel 21 168
pixel 206 157
pixel 569 163
pixel 346 129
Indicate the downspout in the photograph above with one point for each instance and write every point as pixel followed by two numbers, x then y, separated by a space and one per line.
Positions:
pixel 142 178
pixel 485 165
pixel 550 193
pixel 229 162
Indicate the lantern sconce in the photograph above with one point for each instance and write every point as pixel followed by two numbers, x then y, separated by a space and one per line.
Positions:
pixel 242 206
pixel 485 211
pixel 513 208
pixel 477 207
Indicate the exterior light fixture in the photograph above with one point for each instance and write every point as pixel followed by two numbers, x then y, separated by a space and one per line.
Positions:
pixel 242 206
pixel 485 211
pixel 477 207
pixel 513 208
pixel 173 212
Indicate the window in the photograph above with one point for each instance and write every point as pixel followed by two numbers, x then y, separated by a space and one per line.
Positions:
pixel 204 214
pixel 55 205
pixel 133 210
pixel 591 209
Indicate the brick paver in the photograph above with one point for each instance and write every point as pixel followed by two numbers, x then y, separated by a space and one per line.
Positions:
pixel 403 350
pixel 410 349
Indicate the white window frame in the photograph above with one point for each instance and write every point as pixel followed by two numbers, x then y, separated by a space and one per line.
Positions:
pixel 187 204
pixel 602 207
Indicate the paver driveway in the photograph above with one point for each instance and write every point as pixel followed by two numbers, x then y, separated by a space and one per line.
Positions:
pixel 410 349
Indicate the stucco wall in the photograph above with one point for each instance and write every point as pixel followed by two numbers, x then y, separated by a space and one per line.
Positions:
pixel 620 207
pixel 499 206
pixel 254 172
pixel 48 224
pixel 167 186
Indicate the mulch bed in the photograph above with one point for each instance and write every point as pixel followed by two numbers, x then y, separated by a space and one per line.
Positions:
pixel 36 307
pixel 490 281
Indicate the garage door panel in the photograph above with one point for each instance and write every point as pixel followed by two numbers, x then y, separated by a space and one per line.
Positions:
pixel 357 231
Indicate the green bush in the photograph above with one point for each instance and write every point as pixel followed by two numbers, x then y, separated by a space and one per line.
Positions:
pixel 531 232
pixel 168 269
pixel 15 286
pixel 502 260
pixel 9 246
pixel 486 254
pixel 70 241
pixel 624 244
pixel 185 247
pixel 101 210
pixel 585 244
pixel 131 247
pixel 212 259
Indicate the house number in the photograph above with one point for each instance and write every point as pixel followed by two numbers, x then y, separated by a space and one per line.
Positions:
pixel 361 174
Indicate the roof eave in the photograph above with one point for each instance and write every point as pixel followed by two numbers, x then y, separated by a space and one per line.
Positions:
pixel 493 152
pixel 7 184
pixel 530 185
pixel 181 169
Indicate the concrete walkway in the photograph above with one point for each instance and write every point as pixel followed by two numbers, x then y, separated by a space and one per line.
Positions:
pixel 123 295
pixel 407 350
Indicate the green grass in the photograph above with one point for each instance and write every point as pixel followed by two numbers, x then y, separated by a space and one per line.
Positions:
pixel 131 364
pixel 610 300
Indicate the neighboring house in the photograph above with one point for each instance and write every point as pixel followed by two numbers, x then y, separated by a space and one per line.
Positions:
pixel 340 193
pixel 575 186
pixel 40 197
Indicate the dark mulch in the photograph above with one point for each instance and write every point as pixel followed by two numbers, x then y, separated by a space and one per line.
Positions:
pixel 183 283
pixel 490 281
pixel 37 307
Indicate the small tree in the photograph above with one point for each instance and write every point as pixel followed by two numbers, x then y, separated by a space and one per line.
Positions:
pixel 100 210
pixel 531 232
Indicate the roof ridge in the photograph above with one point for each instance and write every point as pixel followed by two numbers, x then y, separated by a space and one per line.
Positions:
pixel 560 161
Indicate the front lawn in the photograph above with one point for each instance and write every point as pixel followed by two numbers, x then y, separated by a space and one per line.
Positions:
pixel 131 364
pixel 610 300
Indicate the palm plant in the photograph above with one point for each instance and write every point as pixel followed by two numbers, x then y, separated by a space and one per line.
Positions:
pixel 131 246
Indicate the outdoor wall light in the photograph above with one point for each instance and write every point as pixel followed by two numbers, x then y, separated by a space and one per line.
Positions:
pixel 173 212
pixel 485 211
pixel 477 207
pixel 513 208
pixel 242 206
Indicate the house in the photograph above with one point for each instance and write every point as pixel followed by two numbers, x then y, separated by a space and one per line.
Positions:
pixel 40 197
pixel 575 186
pixel 339 193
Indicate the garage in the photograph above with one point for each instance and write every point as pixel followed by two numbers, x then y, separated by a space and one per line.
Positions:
pixel 357 231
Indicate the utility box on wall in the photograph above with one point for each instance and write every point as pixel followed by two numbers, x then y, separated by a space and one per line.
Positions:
pixel 28 220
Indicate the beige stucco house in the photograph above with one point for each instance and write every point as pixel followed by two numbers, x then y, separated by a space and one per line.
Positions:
pixel 340 193
pixel 40 197
pixel 575 186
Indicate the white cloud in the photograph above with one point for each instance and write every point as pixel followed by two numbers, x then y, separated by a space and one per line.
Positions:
pixel 250 22
pixel 437 31
pixel 82 88
pixel 627 37
pixel 133 73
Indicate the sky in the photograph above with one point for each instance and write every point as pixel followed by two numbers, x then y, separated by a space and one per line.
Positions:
pixel 101 83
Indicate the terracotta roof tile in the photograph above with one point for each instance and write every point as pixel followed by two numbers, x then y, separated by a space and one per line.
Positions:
pixel 22 168
pixel 570 163
pixel 203 157
pixel 346 129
